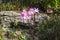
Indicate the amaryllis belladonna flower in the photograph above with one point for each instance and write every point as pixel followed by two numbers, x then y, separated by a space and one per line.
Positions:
pixel 36 9
pixel 27 14
pixel 31 11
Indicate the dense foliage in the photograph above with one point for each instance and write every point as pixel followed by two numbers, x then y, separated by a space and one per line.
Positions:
pixel 19 4
pixel 47 30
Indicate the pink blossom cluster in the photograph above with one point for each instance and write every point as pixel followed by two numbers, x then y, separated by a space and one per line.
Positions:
pixel 27 14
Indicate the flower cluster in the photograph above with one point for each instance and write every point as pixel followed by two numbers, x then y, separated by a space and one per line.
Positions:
pixel 27 14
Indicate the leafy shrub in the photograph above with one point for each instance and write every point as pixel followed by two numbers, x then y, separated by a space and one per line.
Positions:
pixel 1 37
pixel 19 4
pixel 2 32
pixel 10 34
pixel 22 37
pixel 14 25
pixel 49 29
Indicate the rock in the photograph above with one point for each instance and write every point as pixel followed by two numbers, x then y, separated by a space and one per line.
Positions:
pixel 7 17
pixel 12 16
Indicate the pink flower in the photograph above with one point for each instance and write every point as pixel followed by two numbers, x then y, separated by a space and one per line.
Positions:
pixel 36 10
pixel 28 17
pixel 22 15
pixel 24 12
pixel 27 14
pixel 31 11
